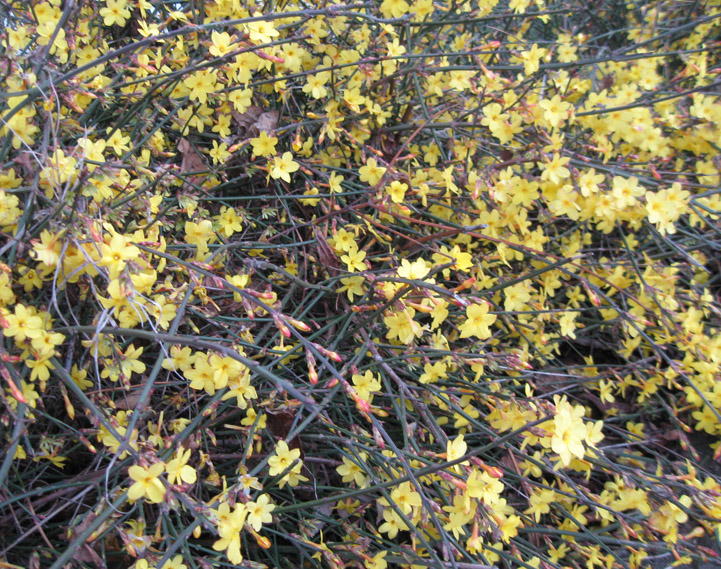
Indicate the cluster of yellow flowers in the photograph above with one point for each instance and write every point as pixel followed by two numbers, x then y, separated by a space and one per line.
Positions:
pixel 407 285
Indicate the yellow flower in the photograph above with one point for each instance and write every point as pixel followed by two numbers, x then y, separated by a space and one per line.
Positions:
pixel 402 326
pixel 92 152
pixel 460 513
pixel 566 203
pixel 146 30
pixel 352 471
pixel 28 393
pixel 250 418
pixel 509 527
pixel 229 221
pixel 79 376
pixel 219 153
pixel 393 523
pixel 30 280
pixel 9 210
pixel 283 459
pixel 18 39
pixel 394 8
pixel 459 260
pixel 371 172
pixel 261 31
pixel 455 449
pixel 555 170
pixel 225 368
pixel 47 250
pixel 40 368
pixel 665 207
pixel 540 502
pixel 353 99
pixel 517 296
pixel 406 498
pixel 123 365
pixel 178 469
pixel 118 295
pixel 115 12
pixel 557 553
pixel 259 512
pixel 567 323
pixel 569 431
pixel 334 183
pixel 626 190
pixel 366 384
pixel 23 324
pixel 315 84
pixel 417 270
pixel 397 191
pixel 117 253
pixel 555 111
pixel 201 376
pixel 221 44
pixel 477 322
pixel 175 563
pixel 263 145
pixel 433 372
pixel 352 286
pixel 377 561
pixel 201 84
pixel 483 486
pixel 312 202
pixel 343 241
pixel 241 99
pixel 61 169
pixel 147 484
pixel 283 167
pixel 199 233
pixel 532 58
pixel 668 516
pixel 354 260
pixel 229 526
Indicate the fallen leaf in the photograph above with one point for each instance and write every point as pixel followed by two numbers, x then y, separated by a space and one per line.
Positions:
pixel 128 401
pixel 247 119
pixel 326 256
pixel 280 423
pixel 266 122
pixel 254 120
pixel 192 161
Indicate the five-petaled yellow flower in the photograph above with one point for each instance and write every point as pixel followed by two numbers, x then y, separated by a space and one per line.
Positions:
pixel 283 458
pixel 178 469
pixel 147 483
pixel 477 322
pixel 283 167
pixel 115 12
pixel 371 172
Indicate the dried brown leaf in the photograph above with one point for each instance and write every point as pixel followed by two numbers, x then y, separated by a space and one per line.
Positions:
pixel 326 256
pixel 254 120
pixel 192 160
pixel 266 122
pixel 128 401
pixel 247 119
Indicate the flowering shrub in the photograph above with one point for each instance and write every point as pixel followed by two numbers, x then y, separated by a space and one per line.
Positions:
pixel 426 284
